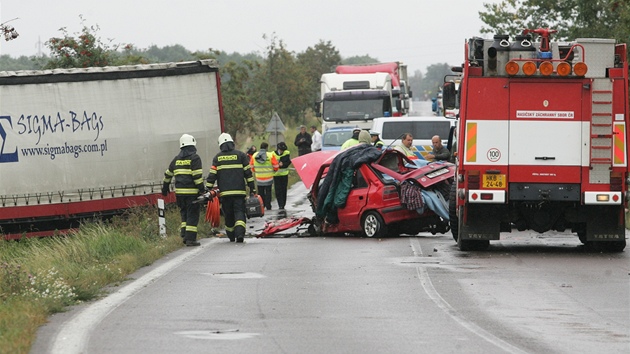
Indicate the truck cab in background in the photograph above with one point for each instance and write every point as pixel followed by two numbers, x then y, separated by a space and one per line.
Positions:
pixel 354 99
pixel 401 92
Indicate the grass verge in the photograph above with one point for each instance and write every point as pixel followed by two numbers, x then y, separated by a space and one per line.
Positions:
pixel 42 276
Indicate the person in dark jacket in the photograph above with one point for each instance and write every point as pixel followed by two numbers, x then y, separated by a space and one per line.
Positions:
pixel 303 141
pixel 281 177
pixel 251 151
pixel 440 152
pixel 231 171
pixel 188 173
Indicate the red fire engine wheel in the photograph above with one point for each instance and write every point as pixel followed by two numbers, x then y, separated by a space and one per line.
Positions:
pixel 213 212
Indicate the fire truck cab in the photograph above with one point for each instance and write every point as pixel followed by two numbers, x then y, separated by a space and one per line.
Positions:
pixel 542 139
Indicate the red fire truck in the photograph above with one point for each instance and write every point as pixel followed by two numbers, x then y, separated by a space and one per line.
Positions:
pixel 542 139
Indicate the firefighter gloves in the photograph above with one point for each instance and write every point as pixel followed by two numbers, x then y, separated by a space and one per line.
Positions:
pixel 165 189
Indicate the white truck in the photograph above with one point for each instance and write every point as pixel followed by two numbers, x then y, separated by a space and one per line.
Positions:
pixel 83 142
pixel 401 92
pixel 354 99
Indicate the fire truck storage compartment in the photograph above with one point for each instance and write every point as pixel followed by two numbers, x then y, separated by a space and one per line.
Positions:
pixel 598 55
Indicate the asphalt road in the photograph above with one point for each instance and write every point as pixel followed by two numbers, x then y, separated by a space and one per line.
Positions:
pixel 528 293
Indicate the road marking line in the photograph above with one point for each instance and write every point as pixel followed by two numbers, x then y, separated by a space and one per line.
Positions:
pixel 433 294
pixel 75 332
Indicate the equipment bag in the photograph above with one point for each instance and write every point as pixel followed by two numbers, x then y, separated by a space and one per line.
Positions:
pixel 254 206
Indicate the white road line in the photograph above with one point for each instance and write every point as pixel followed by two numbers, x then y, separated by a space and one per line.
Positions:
pixel 433 294
pixel 75 333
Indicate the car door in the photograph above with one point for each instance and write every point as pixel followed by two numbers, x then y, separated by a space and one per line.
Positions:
pixel 349 216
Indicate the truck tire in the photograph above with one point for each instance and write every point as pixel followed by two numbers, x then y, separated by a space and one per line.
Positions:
pixel 373 225
pixel 445 188
pixel 452 211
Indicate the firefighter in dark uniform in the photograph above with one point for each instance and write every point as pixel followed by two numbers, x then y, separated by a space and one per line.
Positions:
pixel 188 173
pixel 231 171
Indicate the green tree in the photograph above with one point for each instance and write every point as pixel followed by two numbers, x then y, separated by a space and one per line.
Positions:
pixel 358 60
pixel 315 61
pixel 82 50
pixel 281 85
pixel 239 111
pixel 571 18
pixel 434 79
pixel 415 81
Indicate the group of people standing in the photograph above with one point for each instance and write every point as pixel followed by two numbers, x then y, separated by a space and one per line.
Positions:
pixel 306 142
pixel 272 168
pixel 232 171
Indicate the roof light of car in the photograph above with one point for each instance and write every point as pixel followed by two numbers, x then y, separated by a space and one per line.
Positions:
pixel 529 68
pixel 511 68
pixel 436 173
pixel 546 68
pixel 580 69
pixel 563 69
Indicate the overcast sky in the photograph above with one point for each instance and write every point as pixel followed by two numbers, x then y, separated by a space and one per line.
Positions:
pixel 416 32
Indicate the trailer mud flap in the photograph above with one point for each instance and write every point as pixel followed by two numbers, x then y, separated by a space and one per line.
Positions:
pixel 482 222
pixel 605 223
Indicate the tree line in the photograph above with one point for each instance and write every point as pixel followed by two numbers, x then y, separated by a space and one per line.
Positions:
pixel 255 85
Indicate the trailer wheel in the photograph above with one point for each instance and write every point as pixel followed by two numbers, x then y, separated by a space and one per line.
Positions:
pixel 373 225
pixel 452 211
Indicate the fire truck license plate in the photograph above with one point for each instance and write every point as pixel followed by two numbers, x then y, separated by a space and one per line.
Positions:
pixel 493 181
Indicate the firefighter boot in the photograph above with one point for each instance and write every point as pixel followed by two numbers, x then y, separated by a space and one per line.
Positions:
pixel 192 243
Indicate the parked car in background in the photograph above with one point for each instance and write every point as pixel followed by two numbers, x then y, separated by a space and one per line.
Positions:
pixel 334 137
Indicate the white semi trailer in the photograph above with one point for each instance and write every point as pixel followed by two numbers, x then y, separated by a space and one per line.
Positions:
pixel 95 141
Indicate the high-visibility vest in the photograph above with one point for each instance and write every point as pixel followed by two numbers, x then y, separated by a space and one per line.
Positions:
pixel 282 171
pixel 264 171
pixel 410 152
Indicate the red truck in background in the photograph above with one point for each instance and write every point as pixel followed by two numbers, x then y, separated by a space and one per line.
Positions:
pixel 542 139
pixel 400 81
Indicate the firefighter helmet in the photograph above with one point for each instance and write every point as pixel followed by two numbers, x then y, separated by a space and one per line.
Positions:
pixel 224 138
pixel 187 140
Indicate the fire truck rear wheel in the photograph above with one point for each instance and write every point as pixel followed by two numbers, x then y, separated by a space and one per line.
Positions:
pixel 373 225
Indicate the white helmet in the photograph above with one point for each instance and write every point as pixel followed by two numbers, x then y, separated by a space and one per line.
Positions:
pixel 187 140
pixel 224 138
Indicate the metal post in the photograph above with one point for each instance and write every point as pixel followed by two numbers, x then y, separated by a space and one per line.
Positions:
pixel 161 218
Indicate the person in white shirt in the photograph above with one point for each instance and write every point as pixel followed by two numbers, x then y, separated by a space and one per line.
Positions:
pixel 316 145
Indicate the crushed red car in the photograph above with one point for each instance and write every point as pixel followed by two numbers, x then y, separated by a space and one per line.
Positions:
pixel 374 193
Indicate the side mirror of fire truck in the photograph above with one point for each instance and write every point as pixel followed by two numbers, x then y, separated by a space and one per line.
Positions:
pixel 449 95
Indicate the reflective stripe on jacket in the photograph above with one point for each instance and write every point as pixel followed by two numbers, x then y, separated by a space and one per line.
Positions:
pixel 231 171
pixel 187 170
pixel 264 169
